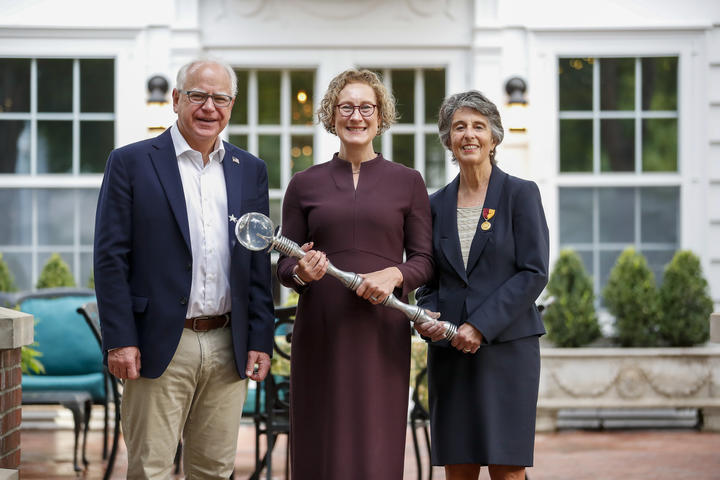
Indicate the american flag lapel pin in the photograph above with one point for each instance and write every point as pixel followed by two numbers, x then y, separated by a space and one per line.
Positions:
pixel 235 160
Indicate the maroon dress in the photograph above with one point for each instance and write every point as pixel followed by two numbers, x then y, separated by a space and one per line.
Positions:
pixel 351 359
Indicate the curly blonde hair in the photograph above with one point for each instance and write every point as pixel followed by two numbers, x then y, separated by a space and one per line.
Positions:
pixel 385 100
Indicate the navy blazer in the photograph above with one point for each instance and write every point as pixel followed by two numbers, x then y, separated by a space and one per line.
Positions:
pixel 507 267
pixel 143 259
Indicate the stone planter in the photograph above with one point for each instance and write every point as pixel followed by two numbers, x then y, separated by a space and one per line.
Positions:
pixel 629 378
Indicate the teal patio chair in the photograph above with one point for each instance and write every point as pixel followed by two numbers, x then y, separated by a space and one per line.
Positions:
pixel 74 373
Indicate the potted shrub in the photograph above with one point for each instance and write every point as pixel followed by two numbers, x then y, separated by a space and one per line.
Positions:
pixel 7 281
pixel 631 297
pixel 570 319
pixel 685 304
pixel 55 273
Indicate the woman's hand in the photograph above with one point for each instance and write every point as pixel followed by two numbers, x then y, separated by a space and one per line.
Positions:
pixel 433 330
pixel 468 339
pixel 312 266
pixel 377 286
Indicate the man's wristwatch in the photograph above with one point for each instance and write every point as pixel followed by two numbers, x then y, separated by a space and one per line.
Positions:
pixel 299 281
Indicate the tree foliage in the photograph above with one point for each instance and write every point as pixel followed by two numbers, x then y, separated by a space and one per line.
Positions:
pixel 685 304
pixel 570 319
pixel 631 296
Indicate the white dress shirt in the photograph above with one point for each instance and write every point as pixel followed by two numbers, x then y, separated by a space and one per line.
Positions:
pixel 206 202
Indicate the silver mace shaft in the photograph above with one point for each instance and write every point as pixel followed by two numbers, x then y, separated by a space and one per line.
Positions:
pixel 255 232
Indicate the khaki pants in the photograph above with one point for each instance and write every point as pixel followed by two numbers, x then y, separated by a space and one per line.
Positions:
pixel 199 398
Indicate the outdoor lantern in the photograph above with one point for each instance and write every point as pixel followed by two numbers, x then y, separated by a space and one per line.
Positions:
pixel 515 118
pixel 157 105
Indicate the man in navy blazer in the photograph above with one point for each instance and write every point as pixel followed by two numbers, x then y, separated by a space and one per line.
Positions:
pixel 186 311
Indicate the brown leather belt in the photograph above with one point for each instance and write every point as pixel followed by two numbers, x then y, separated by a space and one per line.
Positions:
pixel 203 324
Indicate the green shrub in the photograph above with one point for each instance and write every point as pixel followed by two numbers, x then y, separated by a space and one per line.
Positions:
pixel 631 297
pixel 571 320
pixel 55 273
pixel 91 280
pixel 684 302
pixel 29 363
pixel 7 281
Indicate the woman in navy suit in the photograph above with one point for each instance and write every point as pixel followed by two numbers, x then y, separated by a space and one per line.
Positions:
pixel 490 243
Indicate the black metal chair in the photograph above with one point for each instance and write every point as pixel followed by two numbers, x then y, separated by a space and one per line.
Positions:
pixel 420 419
pixel 89 312
pixel 272 401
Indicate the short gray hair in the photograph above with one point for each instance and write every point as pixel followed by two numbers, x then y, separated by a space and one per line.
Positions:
pixel 191 66
pixel 476 101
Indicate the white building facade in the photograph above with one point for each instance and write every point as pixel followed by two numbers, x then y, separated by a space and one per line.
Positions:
pixel 621 130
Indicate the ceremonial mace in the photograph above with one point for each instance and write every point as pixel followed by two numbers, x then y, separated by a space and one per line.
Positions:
pixel 255 232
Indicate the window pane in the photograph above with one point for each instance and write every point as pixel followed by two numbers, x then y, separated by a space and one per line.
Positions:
pixel 576 141
pixel 657 261
pixel 404 150
pixel 659 83
pixel 434 92
pixel 434 162
pixel 576 215
pixel 607 262
pixel 54 147
pixel 302 94
pixel 87 206
pixel 301 153
pixel 268 97
pixel 616 208
pixel 14 146
pixel 16 216
pixel 659 144
pixel 239 114
pixel 617 145
pixel 276 211
pixel 587 259
pixel 403 86
pixel 575 83
pixel 56 216
pixel 97 140
pixel 377 145
pixel 14 85
pixel 86 267
pixel 97 85
pixel 269 151
pixel 659 210
pixel 617 78
pixel 55 85
pixel 240 141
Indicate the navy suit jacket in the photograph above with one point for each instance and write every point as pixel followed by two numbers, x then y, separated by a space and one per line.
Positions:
pixel 143 259
pixel 507 267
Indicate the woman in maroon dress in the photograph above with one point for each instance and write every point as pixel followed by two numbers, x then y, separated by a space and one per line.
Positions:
pixel 350 356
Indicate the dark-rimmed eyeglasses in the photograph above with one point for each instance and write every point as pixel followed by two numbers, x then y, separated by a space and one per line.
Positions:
pixel 347 109
pixel 200 98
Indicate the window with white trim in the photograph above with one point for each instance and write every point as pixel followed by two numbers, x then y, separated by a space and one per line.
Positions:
pixel 273 119
pixel 57 124
pixel 413 140
pixel 619 139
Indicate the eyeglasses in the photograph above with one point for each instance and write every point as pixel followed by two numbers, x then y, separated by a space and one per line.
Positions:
pixel 347 109
pixel 200 98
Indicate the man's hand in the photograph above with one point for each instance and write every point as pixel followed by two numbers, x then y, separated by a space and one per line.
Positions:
pixel 124 363
pixel 262 360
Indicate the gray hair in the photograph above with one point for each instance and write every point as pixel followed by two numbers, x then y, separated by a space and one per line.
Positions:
pixel 476 101
pixel 193 65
